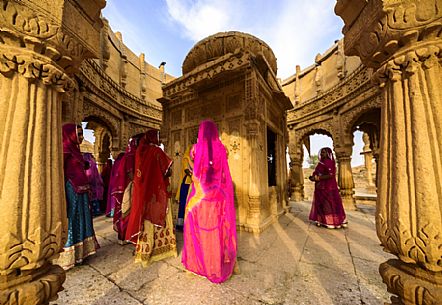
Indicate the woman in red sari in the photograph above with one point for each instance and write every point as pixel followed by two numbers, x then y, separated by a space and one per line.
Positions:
pixel 124 176
pixel 327 209
pixel 150 220
pixel 210 242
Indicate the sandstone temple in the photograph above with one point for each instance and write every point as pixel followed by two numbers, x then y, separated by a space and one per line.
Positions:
pixel 61 62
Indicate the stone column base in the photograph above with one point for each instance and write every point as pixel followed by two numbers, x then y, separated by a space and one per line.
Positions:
pixel 349 203
pixel 38 286
pixel 411 284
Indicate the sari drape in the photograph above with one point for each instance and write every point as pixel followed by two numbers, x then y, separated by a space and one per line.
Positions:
pixel 210 241
pixel 113 177
pixel 123 177
pixel 150 219
pixel 96 184
pixel 105 176
pixel 81 241
pixel 327 208
pixel 150 194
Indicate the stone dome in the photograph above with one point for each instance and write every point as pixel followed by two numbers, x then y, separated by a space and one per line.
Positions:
pixel 217 45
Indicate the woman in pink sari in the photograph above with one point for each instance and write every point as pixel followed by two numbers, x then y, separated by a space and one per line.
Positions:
pixel 210 242
pixel 327 209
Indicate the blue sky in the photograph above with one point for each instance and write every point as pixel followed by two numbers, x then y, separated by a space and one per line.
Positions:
pixel 166 30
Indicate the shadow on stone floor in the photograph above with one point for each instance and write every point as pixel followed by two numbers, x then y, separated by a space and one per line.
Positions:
pixel 292 262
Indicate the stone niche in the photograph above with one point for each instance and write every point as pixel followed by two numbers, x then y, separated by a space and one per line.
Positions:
pixel 230 77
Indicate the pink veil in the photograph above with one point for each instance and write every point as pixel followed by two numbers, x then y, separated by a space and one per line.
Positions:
pixel 210 239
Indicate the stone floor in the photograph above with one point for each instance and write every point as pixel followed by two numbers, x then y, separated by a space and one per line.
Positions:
pixel 292 262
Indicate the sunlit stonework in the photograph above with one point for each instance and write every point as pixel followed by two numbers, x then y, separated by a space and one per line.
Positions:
pixel 61 62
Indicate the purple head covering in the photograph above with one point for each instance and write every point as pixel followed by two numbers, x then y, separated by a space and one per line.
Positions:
pixel 95 180
pixel 73 159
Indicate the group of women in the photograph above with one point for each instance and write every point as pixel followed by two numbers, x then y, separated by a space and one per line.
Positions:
pixel 138 199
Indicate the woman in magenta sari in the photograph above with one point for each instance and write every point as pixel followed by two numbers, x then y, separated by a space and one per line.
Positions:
pixel 96 184
pixel 327 209
pixel 124 176
pixel 110 205
pixel 105 176
pixel 81 241
pixel 210 242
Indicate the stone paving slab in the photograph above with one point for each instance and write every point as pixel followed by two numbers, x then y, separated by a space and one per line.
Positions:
pixel 292 262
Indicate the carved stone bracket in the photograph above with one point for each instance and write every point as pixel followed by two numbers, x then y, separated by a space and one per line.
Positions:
pixel 412 285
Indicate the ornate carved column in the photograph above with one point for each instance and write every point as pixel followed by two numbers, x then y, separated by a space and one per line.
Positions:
pixel 253 127
pixel 368 157
pixel 296 175
pixel 143 75
pixel 298 178
pixel 40 45
pixel 253 216
pixel 345 177
pixel 401 40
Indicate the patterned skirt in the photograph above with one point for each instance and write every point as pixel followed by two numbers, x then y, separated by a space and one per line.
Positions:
pixel 81 241
pixel 156 243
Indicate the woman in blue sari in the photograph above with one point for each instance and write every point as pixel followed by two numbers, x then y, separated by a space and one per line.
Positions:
pixel 81 241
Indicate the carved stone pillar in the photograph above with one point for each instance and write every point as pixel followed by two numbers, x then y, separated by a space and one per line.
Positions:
pixel 253 215
pixel 143 75
pixel 297 100
pixel 345 178
pixel 401 41
pixel 296 175
pixel 39 47
pixel 368 158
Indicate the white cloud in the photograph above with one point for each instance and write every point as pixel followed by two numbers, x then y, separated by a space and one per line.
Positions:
pixel 199 19
pixel 296 30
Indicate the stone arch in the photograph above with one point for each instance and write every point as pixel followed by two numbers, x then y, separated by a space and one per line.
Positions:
pixel 321 128
pixel 92 112
pixel 350 118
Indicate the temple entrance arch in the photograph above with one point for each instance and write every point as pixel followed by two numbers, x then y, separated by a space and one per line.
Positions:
pixel 368 123
pixel 104 138
pixel 298 141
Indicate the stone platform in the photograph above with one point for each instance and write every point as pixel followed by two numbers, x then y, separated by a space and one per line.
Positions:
pixel 292 262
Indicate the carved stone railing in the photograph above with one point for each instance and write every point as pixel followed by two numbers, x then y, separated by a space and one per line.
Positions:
pixel 127 102
pixel 346 90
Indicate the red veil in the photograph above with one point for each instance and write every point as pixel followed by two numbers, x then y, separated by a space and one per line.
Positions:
pixel 149 201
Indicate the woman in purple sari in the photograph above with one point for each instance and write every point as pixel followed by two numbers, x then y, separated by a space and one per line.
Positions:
pixel 105 176
pixel 327 209
pixel 96 184
pixel 81 241
pixel 210 242
pixel 110 205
